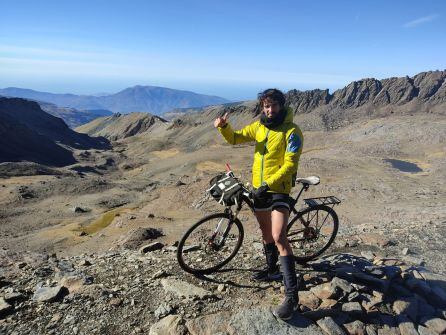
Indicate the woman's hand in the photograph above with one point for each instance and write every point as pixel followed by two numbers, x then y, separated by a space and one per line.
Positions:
pixel 221 121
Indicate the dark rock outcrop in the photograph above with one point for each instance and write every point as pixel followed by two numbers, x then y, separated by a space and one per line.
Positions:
pixel 356 93
pixel 306 101
pixel 424 87
pixel 396 91
pixel 432 85
pixel 27 133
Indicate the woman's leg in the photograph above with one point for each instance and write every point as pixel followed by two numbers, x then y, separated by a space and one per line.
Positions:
pixel 264 220
pixel 279 221
pixel 271 254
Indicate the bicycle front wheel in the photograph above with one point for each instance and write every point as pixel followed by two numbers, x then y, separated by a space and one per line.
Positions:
pixel 210 244
pixel 312 231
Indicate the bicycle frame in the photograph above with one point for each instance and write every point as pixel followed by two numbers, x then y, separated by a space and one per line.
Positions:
pixel 245 197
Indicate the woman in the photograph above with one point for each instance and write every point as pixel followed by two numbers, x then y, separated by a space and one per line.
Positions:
pixel 277 151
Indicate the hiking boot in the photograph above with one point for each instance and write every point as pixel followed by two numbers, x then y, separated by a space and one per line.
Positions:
pixel 286 309
pixel 289 305
pixel 271 272
pixel 267 275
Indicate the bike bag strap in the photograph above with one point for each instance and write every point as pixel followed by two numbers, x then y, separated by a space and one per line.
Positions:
pixel 224 189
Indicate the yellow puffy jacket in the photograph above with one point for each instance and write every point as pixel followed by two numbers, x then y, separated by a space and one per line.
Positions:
pixel 277 152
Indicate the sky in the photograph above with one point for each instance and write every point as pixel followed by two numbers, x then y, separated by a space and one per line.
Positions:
pixel 230 48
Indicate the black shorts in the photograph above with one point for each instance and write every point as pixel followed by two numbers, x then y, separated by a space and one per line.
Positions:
pixel 273 201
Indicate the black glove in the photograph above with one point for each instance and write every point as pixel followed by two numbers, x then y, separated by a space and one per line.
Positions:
pixel 260 193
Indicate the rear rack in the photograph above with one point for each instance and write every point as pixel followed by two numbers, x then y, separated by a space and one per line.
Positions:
pixel 331 200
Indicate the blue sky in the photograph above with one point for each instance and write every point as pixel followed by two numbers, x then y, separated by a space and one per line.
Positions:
pixel 228 48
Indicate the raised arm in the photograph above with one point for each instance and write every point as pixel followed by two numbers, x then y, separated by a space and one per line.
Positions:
pixel 246 134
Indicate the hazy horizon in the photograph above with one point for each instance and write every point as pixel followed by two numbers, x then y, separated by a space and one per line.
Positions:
pixel 229 49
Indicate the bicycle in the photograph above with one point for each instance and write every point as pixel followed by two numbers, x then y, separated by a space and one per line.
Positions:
pixel 215 239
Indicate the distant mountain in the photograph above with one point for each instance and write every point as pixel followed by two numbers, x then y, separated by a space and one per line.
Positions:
pixel 151 99
pixel 120 126
pixel 27 133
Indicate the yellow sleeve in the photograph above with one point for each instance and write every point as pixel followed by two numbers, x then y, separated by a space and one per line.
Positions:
pixel 246 134
pixel 291 158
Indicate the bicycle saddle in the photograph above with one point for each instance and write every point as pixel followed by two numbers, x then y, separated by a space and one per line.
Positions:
pixel 312 180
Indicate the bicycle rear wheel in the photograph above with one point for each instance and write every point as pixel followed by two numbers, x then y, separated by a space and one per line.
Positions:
pixel 210 244
pixel 312 231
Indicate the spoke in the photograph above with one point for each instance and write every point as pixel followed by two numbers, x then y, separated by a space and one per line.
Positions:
pixel 323 222
pixel 318 228
pixel 216 239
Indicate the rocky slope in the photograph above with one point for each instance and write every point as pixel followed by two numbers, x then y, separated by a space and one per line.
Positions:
pixel 427 87
pixel 125 291
pixel 151 99
pixel 30 134
pixel 121 126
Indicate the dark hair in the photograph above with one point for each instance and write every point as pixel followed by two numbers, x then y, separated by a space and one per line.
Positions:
pixel 272 94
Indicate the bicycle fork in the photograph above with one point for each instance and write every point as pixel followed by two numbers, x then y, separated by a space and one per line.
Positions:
pixel 221 242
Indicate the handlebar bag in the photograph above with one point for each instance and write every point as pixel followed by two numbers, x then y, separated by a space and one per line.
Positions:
pixel 224 189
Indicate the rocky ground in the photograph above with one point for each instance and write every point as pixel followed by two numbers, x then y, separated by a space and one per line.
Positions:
pixel 143 290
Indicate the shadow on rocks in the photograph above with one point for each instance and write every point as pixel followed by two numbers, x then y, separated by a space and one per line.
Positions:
pixel 211 279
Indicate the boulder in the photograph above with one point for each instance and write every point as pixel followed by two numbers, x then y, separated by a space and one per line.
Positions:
pixel 135 237
pixel 330 327
pixel 375 239
pixel 355 328
pixel 352 308
pixel 436 324
pixel 342 284
pixel 425 331
pixel 407 306
pixel 405 326
pixel 326 291
pixel 255 321
pixel 309 300
pixel 163 310
pixel 183 289
pixel 170 325
pixel 48 294
pixel 151 247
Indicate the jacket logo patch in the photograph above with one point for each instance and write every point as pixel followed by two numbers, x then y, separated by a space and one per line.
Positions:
pixel 294 143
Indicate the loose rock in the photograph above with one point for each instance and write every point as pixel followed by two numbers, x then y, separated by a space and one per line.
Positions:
pixel 48 294
pixel 170 325
pixel 330 327
pixel 151 247
pixel 436 324
pixel 184 290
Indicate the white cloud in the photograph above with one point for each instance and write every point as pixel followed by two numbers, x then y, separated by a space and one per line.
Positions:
pixel 420 20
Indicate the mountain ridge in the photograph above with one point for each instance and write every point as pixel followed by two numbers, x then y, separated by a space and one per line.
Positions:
pixel 427 86
pixel 139 98
pixel 119 126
